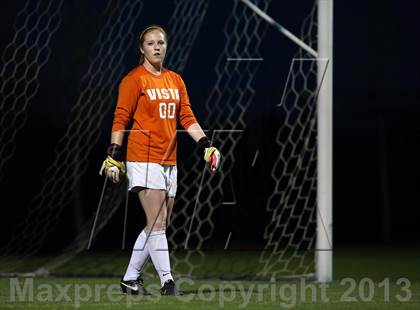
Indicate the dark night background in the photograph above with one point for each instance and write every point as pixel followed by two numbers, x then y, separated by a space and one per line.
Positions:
pixel 376 111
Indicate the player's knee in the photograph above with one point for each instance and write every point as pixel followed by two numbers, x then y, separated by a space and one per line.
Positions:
pixel 158 222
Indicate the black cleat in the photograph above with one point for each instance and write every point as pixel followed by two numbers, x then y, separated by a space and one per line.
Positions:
pixel 169 289
pixel 133 287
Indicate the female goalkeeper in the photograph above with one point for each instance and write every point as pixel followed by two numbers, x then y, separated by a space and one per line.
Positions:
pixel 153 100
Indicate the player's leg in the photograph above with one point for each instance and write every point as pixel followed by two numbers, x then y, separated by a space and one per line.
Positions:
pixel 132 281
pixel 169 287
pixel 157 206
pixel 171 187
pixel 152 238
pixel 154 203
pixel 169 206
pixel 139 256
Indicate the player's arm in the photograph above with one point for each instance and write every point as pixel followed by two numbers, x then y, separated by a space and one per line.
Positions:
pixel 117 137
pixel 211 154
pixel 190 124
pixel 195 132
pixel 113 166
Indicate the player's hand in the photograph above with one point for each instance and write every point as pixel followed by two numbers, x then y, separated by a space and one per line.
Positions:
pixel 212 157
pixel 211 154
pixel 112 167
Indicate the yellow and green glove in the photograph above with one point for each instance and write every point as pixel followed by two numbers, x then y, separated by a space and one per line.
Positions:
pixel 112 167
pixel 211 154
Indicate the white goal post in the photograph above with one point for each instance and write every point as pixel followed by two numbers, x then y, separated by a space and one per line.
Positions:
pixel 323 248
pixel 324 245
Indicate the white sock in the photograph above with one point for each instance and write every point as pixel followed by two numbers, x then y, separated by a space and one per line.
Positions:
pixel 138 257
pixel 159 252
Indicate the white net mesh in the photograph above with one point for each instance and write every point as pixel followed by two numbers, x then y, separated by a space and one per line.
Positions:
pixel 22 60
pixel 225 107
pixel 98 90
pixel 184 31
pixel 290 233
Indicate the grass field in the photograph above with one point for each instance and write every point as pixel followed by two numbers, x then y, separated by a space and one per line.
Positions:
pixel 363 279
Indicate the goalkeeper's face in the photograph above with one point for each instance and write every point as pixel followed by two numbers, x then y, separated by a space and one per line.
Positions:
pixel 154 47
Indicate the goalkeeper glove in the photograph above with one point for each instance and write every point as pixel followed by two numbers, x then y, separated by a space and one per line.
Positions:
pixel 112 166
pixel 211 154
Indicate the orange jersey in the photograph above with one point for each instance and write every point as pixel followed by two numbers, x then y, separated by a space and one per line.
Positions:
pixel 155 104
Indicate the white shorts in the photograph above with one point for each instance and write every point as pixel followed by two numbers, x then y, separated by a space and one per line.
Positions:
pixel 151 175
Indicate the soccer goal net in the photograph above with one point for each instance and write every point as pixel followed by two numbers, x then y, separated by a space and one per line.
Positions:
pixel 258 218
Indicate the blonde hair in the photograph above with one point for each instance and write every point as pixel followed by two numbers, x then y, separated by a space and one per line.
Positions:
pixel 143 34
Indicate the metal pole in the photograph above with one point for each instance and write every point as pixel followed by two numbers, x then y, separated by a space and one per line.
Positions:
pixel 280 28
pixel 324 192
